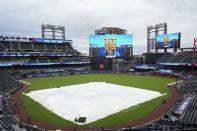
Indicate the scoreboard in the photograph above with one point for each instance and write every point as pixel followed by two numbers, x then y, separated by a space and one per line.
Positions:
pixel 110 46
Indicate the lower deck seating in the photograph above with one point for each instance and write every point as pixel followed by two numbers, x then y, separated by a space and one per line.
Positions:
pixel 7 123
pixel 190 117
pixel 189 88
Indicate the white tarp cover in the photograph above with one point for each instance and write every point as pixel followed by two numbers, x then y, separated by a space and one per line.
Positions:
pixel 94 100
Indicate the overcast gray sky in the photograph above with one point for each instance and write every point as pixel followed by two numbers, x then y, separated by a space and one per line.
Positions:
pixel 82 17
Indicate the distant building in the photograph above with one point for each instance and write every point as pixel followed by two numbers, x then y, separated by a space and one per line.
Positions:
pixel 110 30
pixel 139 59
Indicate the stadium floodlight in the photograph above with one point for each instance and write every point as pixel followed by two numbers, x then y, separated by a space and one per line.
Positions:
pixel 53 32
pixel 152 32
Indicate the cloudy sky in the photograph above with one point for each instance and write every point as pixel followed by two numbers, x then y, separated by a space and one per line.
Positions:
pixel 82 17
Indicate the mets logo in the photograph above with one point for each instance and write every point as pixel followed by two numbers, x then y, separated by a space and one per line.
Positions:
pixel 110 46
pixel 166 40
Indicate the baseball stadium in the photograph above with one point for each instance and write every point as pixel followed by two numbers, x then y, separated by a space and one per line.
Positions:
pixel 46 84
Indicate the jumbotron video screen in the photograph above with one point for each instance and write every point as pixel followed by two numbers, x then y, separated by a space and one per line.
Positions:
pixel 111 46
pixel 168 41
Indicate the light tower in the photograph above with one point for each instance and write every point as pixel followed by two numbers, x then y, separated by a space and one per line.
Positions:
pixel 152 32
pixel 53 32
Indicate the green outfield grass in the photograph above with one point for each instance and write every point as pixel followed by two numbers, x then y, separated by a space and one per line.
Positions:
pixel 36 110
